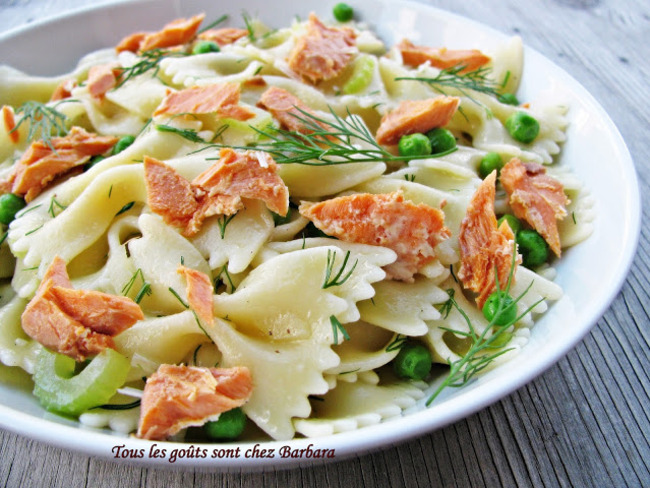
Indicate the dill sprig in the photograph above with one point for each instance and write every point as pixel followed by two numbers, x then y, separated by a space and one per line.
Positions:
pixel 396 343
pixel 223 222
pixel 120 406
pixel 477 80
pixel 44 121
pixel 54 204
pixel 486 346
pixel 149 61
pixel 221 19
pixel 189 134
pixel 338 327
pixel 224 271
pixel 339 278
pixel 145 289
pixel 327 142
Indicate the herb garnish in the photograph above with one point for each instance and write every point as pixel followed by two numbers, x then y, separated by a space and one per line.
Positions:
pixel 339 279
pixel 328 142
pixel 486 346
pixel 120 406
pixel 397 343
pixel 223 222
pixel 336 327
pixel 53 206
pixel 189 134
pixel 150 61
pixel 476 80
pixel 44 121
pixel 144 289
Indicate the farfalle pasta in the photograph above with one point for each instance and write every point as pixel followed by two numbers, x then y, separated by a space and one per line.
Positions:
pixel 288 210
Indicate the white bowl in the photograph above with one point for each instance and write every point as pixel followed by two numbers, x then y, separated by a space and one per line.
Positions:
pixel 590 274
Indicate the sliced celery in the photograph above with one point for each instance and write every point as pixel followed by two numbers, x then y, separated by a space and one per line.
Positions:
pixel 60 390
pixel 361 77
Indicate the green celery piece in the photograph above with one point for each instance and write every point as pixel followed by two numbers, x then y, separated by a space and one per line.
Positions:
pixel 59 390
pixel 361 76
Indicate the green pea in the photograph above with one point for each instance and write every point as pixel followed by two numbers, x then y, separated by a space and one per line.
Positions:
pixel 10 204
pixel 522 127
pixel 513 222
pixel 508 312
pixel 343 12
pixel 203 47
pixel 123 143
pixel 414 145
pixel 441 140
pixel 413 361
pixel 508 99
pixel 229 426
pixel 533 248
pixel 489 163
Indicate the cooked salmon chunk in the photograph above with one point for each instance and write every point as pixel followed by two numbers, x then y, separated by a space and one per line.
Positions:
pixel 322 53
pixel 412 231
pixel 237 175
pixel 221 99
pixel 443 58
pixel 177 397
pixel 101 78
pixel 77 323
pixel 40 164
pixel 287 109
pixel 217 191
pixel 175 33
pixel 413 116
pixel 169 194
pixel 537 198
pixel 9 122
pixel 223 36
pixel 199 293
pixel 63 90
pixel 484 247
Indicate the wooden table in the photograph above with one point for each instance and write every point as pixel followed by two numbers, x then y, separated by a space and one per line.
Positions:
pixel 584 422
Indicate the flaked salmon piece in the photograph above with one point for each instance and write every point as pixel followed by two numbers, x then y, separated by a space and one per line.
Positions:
pixel 537 198
pixel 100 312
pixel 484 247
pixel 63 90
pixel 256 81
pixel 177 397
pixel 248 174
pixel 77 323
pixel 9 121
pixel 169 194
pixel 40 164
pixel 413 116
pixel 101 78
pixel 286 108
pixel 199 293
pixel 412 231
pixel 219 98
pixel 443 58
pixel 131 42
pixel 175 33
pixel 217 191
pixel 322 53
pixel 223 36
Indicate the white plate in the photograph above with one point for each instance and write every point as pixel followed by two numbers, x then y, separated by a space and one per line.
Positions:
pixel 590 274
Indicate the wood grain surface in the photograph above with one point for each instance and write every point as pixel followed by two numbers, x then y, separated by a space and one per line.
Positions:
pixel 584 422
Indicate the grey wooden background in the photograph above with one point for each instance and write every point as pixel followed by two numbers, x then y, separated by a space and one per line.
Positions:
pixel 585 422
